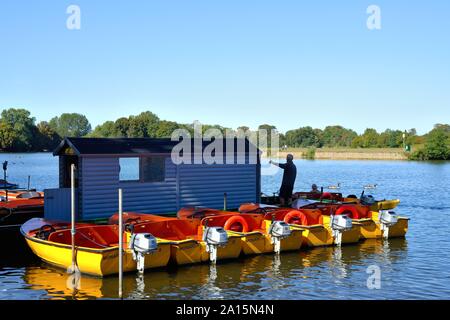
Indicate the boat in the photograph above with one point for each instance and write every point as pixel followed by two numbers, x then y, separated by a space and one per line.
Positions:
pixel 18 206
pixel 368 200
pixel 373 224
pixel 7 185
pixel 318 229
pixel 258 235
pixel 192 241
pixel 376 218
pixel 97 247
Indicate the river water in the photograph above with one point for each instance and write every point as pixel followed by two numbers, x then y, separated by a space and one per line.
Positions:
pixel 411 268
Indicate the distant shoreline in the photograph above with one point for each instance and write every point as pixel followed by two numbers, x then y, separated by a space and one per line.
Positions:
pixel 348 154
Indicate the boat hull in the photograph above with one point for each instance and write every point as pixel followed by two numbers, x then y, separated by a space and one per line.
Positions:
pixel 94 262
pixel 322 235
pixel 371 228
pixel 385 205
pixel 253 243
pixel 186 252
pixel 231 250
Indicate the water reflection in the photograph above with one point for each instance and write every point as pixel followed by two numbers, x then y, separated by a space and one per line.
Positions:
pixel 247 277
pixel 61 285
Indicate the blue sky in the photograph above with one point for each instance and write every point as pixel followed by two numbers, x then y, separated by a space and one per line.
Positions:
pixel 247 62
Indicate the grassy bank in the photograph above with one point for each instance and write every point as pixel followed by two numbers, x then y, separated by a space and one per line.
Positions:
pixel 348 153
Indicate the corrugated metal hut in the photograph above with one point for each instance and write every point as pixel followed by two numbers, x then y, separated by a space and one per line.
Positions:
pixel 151 180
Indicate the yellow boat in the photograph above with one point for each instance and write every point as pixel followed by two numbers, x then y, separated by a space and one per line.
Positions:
pixel 371 224
pixel 96 247
pixel 376 205
pixel 257 234
pixel 188 238
pixel 317 229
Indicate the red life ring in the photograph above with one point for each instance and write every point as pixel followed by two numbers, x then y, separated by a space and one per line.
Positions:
pixel 348 210
pixel 327 196
pixel 236 223
pixel 296 217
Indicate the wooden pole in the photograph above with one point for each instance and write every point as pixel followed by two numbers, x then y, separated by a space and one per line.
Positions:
pixel 120 245
pixel 29 178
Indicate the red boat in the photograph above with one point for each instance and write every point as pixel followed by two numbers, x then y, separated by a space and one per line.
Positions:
pixel 18 206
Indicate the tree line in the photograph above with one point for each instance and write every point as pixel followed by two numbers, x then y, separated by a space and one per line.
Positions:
pixel 20 132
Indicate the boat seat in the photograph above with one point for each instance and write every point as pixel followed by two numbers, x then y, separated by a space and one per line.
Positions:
pixel 90 237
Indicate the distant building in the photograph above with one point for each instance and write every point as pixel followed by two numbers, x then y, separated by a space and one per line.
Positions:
pixel 151 181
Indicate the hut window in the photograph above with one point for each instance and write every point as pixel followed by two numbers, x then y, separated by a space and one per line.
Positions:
pixel 152 169
pixel 129 169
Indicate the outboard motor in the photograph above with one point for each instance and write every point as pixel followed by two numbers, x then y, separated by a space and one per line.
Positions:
pixel 142 244
pixel 387 219
pixel 214 237
pixel 278 231
pixel 339 224
pixel 367 200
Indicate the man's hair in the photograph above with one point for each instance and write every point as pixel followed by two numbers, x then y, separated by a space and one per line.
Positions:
pixel 289 157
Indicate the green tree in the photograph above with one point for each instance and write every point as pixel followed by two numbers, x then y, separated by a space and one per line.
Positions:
pixel 369 139
pixel 143 125
pixel 71 125
pixel 104 130
pixel 121 127
pixel 412 137
pixel 390 139
pixel 7 136
pixel 303 137
pixel 166 128
pixel 21 125
pixel 338 136
pixel 45 137
pixel 437 144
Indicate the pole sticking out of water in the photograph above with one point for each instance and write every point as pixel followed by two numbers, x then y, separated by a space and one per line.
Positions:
pixel 224 201
pixel 120 244
pixel 29 178
pixel 73 268
pixel 5 168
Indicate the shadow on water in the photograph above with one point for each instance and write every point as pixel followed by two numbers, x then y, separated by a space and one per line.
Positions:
pixel 14 251
pixel 251 277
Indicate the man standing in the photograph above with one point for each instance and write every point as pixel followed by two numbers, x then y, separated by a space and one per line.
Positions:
pixel 289 175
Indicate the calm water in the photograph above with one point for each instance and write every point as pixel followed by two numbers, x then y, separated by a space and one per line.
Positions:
pixel 415 267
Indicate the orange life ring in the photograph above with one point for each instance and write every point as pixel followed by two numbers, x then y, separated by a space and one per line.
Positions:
pixel 348 210
pixel 231 223
pixel 296 217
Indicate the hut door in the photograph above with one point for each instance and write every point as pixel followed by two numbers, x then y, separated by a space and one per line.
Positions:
pixel 67 162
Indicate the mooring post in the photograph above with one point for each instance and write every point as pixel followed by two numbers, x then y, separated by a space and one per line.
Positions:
pixel 5 168
pixel 29 178
pixel 120 245
pixel 224 201
pixel 73 268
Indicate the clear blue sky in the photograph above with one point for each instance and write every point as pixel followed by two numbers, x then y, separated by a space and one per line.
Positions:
pixel 231 62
